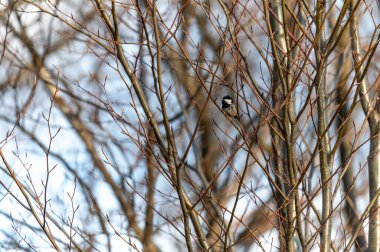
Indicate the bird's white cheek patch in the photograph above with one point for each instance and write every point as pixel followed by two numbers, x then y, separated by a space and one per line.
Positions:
pixel 228 101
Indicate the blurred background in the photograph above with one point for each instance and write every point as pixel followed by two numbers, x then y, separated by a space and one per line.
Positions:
pixel 114 137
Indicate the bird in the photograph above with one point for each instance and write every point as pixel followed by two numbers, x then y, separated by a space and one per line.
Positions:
pixel 229 107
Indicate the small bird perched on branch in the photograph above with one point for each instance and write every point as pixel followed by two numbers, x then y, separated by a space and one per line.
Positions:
pixel 229 107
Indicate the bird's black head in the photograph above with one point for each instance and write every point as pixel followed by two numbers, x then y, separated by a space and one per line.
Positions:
pixel 227 101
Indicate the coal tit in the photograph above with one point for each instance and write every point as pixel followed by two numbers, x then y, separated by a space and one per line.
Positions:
pixel 229 107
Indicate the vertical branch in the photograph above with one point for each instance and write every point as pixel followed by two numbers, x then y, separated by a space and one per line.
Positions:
pixel 151 181
pixel 343 67
pixel 277 143
pixel 324 140
pixel 283 86
pixel 374 185
pixel 172 154
pixel 373 121
pixel 168 152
